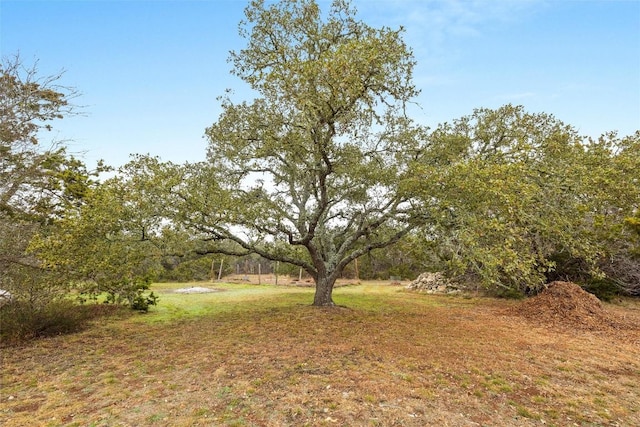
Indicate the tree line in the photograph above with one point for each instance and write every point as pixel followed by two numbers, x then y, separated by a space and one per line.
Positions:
pixel 323 168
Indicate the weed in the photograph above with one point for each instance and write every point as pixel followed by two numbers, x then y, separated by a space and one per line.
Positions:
pixel 526 413
pixel 155 418
pixel 370 398
pixel 497 384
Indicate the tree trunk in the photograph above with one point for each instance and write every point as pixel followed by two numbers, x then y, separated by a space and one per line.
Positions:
pixel 324 289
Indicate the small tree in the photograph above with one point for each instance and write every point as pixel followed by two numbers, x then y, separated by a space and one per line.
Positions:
pixel 38 180
pixel 310 173
pixel 115 241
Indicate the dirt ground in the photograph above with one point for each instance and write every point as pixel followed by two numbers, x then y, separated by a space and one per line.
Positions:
pixel 391 358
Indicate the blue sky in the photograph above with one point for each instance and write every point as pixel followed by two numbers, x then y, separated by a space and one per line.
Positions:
pixel 150 71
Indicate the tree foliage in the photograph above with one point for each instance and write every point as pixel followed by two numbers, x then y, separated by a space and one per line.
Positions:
pixel 523 198
pixel 114 242
pixel 38 180
pixel 617 207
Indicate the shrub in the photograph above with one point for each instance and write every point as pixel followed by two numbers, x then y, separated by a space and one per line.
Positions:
pixel 604 289
pixel 21 320
pixel 506 293
pixel 132 293
pixel 141 301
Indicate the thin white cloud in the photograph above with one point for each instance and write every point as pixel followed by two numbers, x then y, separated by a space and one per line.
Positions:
pixel 516 96
pixel 449 16
pixel 439 31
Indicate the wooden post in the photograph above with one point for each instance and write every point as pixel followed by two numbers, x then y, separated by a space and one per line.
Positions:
pixel 213 274
pixel 277 262
pixel 259 275
pixel 300 275
pixel 356 268
pixel 220 271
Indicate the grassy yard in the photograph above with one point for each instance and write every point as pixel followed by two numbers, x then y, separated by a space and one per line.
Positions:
pixel 251 355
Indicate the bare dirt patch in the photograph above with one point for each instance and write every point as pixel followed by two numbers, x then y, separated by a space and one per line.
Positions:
pixel 196 290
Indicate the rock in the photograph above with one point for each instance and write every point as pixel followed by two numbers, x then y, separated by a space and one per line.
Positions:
pixel 434 283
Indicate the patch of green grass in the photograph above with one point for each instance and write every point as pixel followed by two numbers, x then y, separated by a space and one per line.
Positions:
pixel 465 382
pixel 227 298
pixel 234 298
pixel 539 400
pixel 370 398
pixel 542 381
pixel 552 413
pixel 155 418
pixel 224 391
pixel 598 401
pixel 497 384
pixel 375 297
pixel 404 376
pixel 109 378
pixel 526 413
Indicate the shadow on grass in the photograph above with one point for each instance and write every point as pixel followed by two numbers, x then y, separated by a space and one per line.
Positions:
pixel 22 321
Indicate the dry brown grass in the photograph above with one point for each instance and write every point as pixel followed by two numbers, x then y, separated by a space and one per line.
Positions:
pixel 391 358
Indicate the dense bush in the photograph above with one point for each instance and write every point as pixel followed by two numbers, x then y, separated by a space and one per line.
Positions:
pixel 179 270
pixel 22 321
pixel 604 289
pixel 132 293
pixel 139 300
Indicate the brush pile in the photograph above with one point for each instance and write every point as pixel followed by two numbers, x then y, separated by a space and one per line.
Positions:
pixel 567 304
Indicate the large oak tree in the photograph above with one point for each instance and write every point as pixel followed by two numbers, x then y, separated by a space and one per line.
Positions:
pixel 311 172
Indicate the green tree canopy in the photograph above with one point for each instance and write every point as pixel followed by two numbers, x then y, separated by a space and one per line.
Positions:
pixel 38 179
pixel 115 241
pixel 524 198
